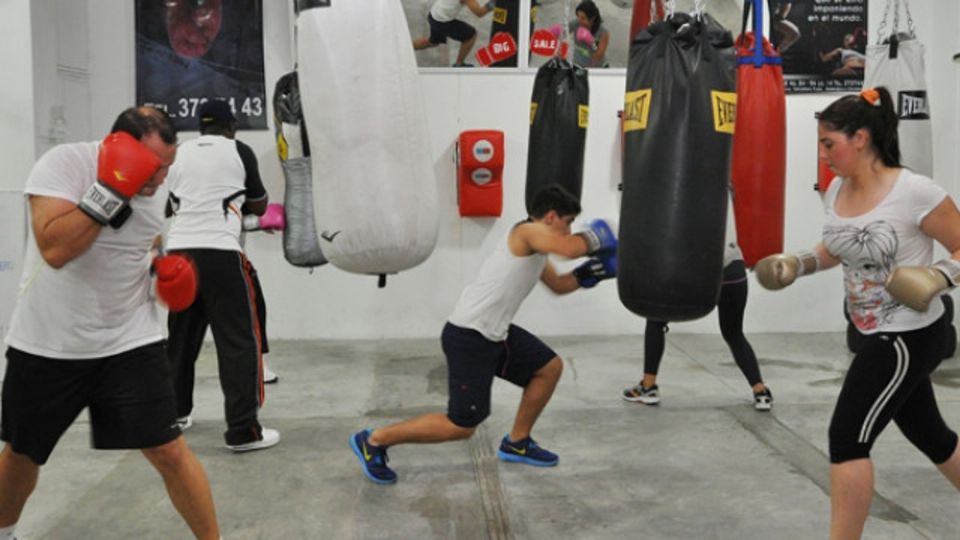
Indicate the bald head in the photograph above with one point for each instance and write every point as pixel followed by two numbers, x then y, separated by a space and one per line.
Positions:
pixel 142 121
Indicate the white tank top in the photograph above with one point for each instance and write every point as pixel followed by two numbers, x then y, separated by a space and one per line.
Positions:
pixel 489 304
pixel 445 10
pixel 731 250
pixel 207 172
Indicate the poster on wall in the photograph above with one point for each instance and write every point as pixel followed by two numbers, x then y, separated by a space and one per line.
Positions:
pixel 189 52
pixel 823 43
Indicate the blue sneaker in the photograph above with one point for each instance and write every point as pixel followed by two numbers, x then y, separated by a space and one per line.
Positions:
pixel 373 458
pixel 526 451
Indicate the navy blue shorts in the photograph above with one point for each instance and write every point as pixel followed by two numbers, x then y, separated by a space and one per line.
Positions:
pixel 473 361
pixel 456 30
pixel 129 396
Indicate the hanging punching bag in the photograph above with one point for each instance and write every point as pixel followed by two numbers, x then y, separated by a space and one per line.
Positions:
pixel 896 62
pixel 559 112
pixel 760 144
pixel 644 13
pixel 301 244
pixel 679 115
pixel 376 200
pixel 506 18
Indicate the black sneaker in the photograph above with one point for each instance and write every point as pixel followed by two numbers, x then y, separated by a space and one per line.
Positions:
pixel 463 65
pixel 763 401
pixel 526 451
pixel 372 458
pixel 642 394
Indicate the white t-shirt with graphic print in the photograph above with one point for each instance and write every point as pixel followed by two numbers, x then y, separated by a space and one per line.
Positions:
pixel 872 244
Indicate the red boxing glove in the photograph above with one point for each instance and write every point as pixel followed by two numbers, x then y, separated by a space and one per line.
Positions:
pixel 274 219
pixel 501 46
pixel 176 281
pixel 124 165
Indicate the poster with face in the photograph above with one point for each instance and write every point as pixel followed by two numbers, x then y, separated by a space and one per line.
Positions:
pixel 191 51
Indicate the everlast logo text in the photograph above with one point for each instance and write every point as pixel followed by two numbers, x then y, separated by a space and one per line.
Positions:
pixel 636 109
pixel 583 116
pixel 913 105
pixel 724 111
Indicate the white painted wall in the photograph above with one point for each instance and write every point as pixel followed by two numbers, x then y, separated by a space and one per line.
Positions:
pixel 329 303
pixel 17 144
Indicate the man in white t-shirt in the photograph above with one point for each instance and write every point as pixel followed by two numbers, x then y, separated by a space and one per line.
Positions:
pixel 444 24
pixel 85 332
pixel 213 183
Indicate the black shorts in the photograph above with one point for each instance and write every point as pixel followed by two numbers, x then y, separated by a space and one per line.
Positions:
pixel 456 30
pixel 473 361
pixel 129 396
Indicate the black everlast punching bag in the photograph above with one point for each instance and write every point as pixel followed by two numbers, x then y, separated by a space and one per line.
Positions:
pixel 679 112
pixel 506 18
pixel 559 111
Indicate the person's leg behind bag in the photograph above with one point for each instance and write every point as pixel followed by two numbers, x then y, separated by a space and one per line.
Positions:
pixel 730 310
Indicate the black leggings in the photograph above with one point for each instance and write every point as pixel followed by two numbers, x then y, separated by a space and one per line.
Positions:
pixel 733 301
pixel 889 379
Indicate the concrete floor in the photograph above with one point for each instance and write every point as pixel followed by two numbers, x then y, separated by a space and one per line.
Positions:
pixel 703 464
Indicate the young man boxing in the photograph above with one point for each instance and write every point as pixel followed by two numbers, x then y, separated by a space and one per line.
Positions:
pixel 480 342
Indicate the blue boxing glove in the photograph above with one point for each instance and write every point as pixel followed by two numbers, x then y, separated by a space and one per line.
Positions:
pixel 600 238
pixel 595 270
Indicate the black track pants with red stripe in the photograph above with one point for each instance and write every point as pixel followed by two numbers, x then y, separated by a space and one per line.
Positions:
pixel 226 302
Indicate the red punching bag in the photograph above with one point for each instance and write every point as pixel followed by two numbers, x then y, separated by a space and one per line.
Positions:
pixel 644 13
pixel 759 144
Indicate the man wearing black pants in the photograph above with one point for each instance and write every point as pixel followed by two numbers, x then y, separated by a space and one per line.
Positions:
pixel 215 181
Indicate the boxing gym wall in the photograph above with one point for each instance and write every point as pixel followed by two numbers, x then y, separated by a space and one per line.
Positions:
pixel 329 303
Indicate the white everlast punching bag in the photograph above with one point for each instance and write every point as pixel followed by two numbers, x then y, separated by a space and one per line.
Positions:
pixel 375 194
pixel 896 62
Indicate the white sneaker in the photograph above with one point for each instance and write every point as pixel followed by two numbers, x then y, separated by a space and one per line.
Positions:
pixel 763 401
pixel 642 394
pixel 268 375
pixel 269 437
pixel 184 422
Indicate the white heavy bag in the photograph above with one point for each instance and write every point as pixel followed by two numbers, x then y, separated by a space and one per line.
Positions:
pixel 896 62
pixel 375 194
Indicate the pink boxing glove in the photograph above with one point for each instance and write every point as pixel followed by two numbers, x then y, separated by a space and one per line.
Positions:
pixel 584 36
pixel 274 219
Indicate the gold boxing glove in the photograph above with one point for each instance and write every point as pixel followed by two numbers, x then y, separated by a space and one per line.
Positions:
pixel 778 271
pixel 916 286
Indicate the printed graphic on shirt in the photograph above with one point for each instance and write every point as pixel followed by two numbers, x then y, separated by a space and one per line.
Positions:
pixel 868 254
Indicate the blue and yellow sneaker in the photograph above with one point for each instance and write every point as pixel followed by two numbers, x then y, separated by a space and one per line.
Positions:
pixel 372 458
pixel 526 451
